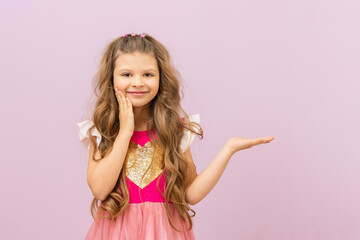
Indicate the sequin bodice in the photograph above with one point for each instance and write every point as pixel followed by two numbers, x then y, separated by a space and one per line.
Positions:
pixel 144 164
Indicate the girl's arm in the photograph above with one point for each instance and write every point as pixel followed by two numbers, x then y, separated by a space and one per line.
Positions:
pixel 207 179
pixel 103 174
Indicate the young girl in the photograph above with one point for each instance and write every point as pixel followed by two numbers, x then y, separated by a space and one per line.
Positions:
pixel 140 165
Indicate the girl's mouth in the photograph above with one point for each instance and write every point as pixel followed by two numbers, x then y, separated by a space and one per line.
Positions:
pixel 137 93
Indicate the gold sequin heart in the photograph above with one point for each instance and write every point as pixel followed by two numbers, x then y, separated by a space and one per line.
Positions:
pixel 144 164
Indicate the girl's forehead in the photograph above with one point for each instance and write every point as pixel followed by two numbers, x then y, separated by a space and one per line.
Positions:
pixel 133 60
pixel 135 55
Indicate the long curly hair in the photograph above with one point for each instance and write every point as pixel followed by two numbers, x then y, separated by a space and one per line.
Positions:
pixel 165 118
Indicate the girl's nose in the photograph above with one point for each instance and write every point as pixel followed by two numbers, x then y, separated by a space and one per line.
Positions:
pixel 137 81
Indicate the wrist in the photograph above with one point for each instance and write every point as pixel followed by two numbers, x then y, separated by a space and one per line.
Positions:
pixel 228 148
pixel 124 134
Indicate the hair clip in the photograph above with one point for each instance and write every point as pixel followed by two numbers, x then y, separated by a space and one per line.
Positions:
pixel 133 34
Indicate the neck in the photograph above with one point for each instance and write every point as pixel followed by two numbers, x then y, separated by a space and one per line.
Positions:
pixel 141 115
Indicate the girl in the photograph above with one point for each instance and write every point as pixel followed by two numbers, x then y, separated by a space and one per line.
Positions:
pixel 140 165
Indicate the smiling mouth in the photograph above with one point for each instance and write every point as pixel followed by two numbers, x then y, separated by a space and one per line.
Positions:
pixel 137 93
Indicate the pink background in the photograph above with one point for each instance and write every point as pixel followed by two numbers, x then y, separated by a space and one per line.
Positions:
pixel 288 69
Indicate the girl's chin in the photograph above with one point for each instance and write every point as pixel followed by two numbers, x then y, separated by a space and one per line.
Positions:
pixel 138 102
pixel 138 105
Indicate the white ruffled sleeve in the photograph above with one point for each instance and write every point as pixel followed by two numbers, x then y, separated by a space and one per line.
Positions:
pixel 83 127
pixel 188 135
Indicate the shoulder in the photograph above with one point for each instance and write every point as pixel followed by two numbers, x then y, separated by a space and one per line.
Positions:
pixel 191 118
pixel 189 136
pixel 83 128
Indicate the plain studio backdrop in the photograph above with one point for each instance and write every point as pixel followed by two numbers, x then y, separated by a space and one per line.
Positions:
pixel 288 69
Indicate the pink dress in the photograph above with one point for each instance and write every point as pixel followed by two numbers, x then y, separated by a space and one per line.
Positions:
pixel 145 217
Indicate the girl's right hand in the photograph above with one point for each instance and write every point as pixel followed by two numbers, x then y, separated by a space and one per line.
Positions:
pixel 126 115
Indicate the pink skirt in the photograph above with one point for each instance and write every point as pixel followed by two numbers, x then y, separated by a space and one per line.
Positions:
pixel 145 221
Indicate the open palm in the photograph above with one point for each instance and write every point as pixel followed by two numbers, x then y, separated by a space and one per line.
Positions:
pixel 236 144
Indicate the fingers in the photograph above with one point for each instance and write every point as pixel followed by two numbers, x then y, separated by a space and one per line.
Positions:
pixel 124 102
pixel 118 98
pixel 126 116
pixel 262 140
pixel 128 102
pixel 121 99
pixel 266 139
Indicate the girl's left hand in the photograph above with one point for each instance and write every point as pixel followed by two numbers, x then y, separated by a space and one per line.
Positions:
pixel 236 144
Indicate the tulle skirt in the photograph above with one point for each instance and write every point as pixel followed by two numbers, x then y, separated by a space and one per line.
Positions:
pixel 143 221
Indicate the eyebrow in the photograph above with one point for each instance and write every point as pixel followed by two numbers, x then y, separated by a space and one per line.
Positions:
pixel 127 69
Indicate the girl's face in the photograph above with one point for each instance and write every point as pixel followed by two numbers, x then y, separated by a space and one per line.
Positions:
pixel 136 75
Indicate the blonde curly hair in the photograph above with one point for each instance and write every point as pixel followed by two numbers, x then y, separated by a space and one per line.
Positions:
pixel 164 118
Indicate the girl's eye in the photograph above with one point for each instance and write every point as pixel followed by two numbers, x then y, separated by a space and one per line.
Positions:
pixel 126 74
